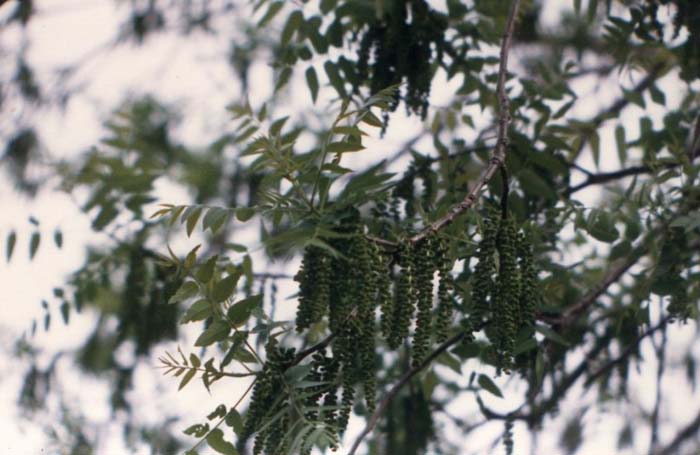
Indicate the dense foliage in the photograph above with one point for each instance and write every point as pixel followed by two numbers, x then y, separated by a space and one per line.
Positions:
pixel 496 249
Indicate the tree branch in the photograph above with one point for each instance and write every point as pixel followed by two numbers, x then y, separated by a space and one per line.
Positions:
pixel 627 351
pixel 604 177
pixel 569 315
pixel 495 163
pixel 689 431
pixel 372 422
pixel 499 152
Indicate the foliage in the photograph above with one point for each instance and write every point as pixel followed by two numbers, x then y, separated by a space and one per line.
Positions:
pixel 484 254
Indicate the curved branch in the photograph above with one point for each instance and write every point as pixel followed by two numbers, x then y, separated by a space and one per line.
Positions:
pixel 497 160
pixel 499 152
pixel 372 422
pixel 689 431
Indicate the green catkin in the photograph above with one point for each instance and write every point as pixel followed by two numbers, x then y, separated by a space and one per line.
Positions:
pixel 506 304
pixel 424 265
pixel 404 296
pixel 330 399
pixel 384 299
pixel 367 291
pixel 346 402
pixel 508 436
pixel 264 401
pixel 444 308
pixel 484 271
pixel 528 282
pixel 314 284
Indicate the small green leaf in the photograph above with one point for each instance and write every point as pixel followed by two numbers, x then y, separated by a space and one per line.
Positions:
pixel 191 257
pixel 217 331
pixel 214 219
pixel 601 226
pixel 534 184
pixel 312 82
pixel 372 120
pixel 551 335
pixel 592 9
pixel 451 362
pixel 192 220
pixel 594 140
pixel 342 147
pixel 224 288
pixel 10 245
pixel 106 215
pixel 621 144
pixel 216 441
pixel 34 244
pixel 240 311
pixel 283 78
pixel 194 360
pixel 657 95
pixel 187 290
pixel 467 350
pixel 277 126
pixel 197 430
pixel 199 311
pixel 334 77
pixel 272 11
pixel 292 25
pixel 65 312
pixel 487 384
pixel 220 411
pixel 243 214
pixel 234 420
pixel 186 378
pixel 58 238
pixel 206 271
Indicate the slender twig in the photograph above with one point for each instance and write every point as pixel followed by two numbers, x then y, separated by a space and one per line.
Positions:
pixel 626 352
pixel 614 109
pixel 661 357
pixel 317 347
pixel 204 370
pixel 499 152
pixel 218 424
pixel 569 315
pixel 372 422
pixel 605 177
pixel 689 431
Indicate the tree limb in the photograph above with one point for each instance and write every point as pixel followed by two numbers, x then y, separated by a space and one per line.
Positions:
pixel 689 431
pixel 495 163
pixel 372 422
pixel 499 152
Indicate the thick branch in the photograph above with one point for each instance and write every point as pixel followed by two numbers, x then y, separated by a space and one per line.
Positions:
pixel 499 152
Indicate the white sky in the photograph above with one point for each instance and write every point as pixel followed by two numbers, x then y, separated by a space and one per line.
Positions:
pixel 189 74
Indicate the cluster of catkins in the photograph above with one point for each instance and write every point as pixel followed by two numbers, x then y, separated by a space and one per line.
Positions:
pixel 265 402
pixel 504 289
pixel 346 284
pixel 347 288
